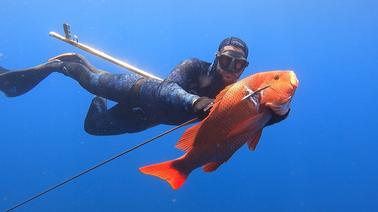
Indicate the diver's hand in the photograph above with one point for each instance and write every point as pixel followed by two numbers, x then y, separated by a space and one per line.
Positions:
pixel 202 107
pixel 279 109
pixel 277 118
pixel 279 112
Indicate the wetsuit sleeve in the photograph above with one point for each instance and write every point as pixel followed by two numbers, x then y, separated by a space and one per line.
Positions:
pixel 175 90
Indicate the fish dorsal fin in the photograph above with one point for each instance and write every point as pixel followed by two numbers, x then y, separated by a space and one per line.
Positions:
pixel 212 166
pixel 221 94
pixel 187 139
pixel 254 141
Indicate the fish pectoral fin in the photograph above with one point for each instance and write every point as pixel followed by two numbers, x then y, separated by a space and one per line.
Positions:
pixel 212 166
pixel 187 139
pixel 254 141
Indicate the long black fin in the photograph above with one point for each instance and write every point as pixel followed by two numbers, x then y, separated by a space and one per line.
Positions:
pixel 16 83
pixel 3 70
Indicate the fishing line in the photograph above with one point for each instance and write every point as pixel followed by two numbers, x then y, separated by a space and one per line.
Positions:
pixel 101 164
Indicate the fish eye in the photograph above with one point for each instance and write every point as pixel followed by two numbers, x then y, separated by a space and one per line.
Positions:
pixel 277 77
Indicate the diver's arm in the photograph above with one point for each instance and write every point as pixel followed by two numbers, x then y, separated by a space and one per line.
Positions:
pixel 186 73
pixel 174 91
pixel 172 95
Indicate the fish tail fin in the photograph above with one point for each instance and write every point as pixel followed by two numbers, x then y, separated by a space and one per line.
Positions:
pixel 171 171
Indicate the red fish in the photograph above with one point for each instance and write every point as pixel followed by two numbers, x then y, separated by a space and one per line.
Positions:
pixel 237 117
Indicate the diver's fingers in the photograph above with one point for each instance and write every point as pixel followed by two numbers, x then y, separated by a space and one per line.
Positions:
pixel 280 109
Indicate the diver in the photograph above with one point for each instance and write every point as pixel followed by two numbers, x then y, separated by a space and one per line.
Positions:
pixel 141 102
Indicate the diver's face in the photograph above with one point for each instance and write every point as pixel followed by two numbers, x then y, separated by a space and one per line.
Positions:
pixel 231 64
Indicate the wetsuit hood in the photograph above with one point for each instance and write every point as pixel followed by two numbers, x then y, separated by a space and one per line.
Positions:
pixel 236 42
pixel 230 41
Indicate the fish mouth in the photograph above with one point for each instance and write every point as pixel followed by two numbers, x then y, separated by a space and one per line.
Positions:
pixel 293 79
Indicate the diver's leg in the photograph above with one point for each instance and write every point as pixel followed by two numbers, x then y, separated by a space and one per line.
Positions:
pixel 15 83
pixel 118 120
pixel 116 87
pixel 111 86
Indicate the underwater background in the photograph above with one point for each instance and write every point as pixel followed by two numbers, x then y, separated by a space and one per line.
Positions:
pixel 322 158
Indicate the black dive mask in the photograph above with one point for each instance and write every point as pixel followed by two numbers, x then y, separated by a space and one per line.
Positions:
pixel 232 61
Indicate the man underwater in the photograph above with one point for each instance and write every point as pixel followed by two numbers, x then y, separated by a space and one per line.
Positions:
pixel 141 102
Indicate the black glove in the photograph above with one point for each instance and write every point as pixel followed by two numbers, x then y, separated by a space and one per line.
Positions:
pixel 277 118
pixel 202 106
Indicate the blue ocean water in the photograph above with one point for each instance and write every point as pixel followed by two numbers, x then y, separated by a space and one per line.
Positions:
pixel 322 158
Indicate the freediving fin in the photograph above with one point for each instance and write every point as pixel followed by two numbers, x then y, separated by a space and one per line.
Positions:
pixel 3 70
pixel 16 83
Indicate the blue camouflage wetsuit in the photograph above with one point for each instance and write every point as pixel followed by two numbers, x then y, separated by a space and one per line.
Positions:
pixel 140 102
pixel 143 102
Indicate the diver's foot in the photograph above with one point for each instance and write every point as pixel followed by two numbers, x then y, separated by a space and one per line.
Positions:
pixel 75 58
pixel 53 65
pixel 72 57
